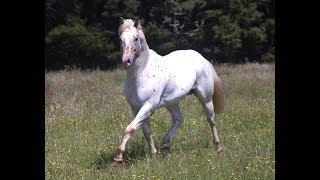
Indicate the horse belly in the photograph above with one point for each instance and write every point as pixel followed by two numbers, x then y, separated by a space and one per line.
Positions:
pixel 178 87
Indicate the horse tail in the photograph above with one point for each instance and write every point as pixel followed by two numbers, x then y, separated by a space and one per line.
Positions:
pixel 218 94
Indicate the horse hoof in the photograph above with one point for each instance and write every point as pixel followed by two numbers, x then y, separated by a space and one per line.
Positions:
pixel 117 161
pixel 219 150
pixel 165 148
pixel 153 153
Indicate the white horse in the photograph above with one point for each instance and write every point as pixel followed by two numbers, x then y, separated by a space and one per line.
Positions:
pixel 154 81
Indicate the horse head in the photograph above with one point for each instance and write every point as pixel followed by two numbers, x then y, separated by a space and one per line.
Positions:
pixel 129 32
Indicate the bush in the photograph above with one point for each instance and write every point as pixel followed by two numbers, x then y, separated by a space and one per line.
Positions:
pixel 76 45
pixel 268 57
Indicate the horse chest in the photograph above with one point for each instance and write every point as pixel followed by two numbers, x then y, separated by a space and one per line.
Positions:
pixel 137 92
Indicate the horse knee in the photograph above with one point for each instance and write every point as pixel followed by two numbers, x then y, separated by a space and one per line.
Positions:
pixel 129 130
pixel 147 135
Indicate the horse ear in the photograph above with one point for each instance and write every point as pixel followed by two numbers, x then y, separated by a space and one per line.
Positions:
pixel 121 20
pixel 136 23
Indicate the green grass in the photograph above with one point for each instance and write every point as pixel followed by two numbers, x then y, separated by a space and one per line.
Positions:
pixel 86 114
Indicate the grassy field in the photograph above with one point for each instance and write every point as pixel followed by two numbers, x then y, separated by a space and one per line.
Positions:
pixel 86 114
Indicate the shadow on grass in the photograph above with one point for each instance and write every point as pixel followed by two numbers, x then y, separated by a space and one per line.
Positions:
pixel 137 151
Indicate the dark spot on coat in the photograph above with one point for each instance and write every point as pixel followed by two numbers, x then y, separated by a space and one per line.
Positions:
pixel 154 90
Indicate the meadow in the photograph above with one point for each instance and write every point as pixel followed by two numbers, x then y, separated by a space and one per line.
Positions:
pixel 86 114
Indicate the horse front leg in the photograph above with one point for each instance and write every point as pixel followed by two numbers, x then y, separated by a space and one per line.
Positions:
pixel 146 132
pixel 176 122
pixel 148 135
pixel 144 113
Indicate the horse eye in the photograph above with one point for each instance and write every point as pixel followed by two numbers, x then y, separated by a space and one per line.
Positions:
pixel 136 39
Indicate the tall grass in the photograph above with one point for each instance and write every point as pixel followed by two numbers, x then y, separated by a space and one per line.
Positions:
pixel 86 114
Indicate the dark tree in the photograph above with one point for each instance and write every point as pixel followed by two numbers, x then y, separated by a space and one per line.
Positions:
pixel 83 33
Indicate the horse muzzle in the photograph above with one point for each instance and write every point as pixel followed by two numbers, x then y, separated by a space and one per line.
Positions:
pixel 126 63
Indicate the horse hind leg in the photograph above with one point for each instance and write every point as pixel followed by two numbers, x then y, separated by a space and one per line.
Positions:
pixel 211 119
pixel 207 104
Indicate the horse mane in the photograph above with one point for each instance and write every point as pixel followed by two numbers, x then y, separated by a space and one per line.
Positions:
pixel 127 23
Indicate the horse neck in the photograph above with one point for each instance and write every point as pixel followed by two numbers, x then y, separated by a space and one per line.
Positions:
pixel 140 63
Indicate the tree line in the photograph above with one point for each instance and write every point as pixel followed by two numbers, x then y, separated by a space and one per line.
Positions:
pixel 83 33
